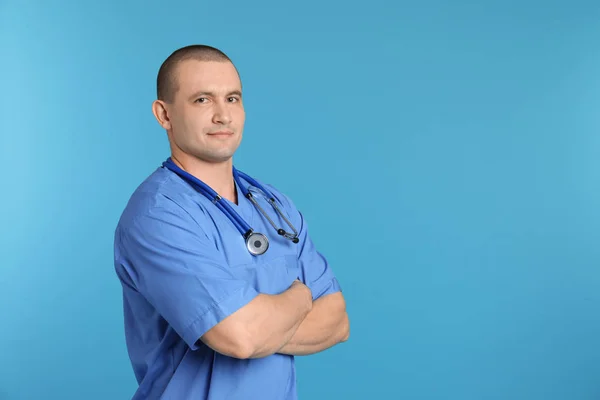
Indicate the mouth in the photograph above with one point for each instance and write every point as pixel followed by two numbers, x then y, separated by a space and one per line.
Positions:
pixel 221 133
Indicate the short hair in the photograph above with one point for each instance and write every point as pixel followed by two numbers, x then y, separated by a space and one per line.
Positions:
pixel 166 81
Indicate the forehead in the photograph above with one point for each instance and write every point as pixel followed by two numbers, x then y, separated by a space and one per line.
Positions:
pixel 214 76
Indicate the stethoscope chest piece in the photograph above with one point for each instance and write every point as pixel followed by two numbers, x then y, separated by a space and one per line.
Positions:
pixel 257 243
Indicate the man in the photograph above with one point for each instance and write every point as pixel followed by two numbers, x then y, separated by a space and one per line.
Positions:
pixel 205 318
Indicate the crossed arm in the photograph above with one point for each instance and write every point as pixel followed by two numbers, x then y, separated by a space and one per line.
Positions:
pixel 287 323
pixel 323 327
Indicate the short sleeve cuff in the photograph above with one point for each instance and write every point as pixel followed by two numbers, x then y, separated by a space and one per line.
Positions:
pixel 330 286
pixel 216 313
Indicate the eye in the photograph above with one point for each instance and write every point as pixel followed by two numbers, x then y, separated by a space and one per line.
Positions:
pixel 201 100
pixel 232 99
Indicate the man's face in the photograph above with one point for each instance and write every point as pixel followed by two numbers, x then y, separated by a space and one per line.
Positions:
pixel 207 115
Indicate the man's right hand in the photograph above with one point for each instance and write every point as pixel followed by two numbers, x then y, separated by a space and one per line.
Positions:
pixel 298 283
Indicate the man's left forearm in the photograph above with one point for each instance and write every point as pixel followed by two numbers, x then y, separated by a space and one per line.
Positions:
pixel 325 325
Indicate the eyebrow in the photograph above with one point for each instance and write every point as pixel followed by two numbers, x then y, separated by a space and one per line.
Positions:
pixel 205 93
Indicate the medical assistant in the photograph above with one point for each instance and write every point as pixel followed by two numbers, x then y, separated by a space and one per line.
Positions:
pixel 184 267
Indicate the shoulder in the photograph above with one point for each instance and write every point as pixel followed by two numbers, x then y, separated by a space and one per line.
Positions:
pixel 160 197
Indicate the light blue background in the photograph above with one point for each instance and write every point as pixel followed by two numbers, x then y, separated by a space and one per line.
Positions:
pixel 445 153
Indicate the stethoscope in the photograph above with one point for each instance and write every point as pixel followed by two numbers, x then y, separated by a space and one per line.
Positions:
pixel 256 242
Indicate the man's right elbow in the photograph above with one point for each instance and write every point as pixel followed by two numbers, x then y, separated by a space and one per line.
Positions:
pixel 246 346
pixel 230 342
pixel 243 350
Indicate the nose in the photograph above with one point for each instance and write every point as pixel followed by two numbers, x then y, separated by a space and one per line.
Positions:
pixel 222 114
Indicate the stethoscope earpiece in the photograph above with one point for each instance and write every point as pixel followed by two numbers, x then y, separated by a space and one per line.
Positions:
pixel 283 233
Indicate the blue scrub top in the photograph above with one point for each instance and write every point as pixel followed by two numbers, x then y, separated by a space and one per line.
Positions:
pixel 184 267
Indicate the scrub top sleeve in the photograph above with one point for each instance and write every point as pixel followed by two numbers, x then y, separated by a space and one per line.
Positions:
pixel 318 274
pixel 172 263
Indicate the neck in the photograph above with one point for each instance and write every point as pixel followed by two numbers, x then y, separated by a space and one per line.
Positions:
pixel 219 176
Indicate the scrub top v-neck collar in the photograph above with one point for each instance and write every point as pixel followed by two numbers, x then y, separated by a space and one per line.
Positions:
pixel 243 207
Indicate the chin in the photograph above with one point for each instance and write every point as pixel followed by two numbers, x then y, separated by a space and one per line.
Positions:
pixel 217 157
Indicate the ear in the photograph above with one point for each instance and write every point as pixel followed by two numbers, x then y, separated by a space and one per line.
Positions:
pixel 159 109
